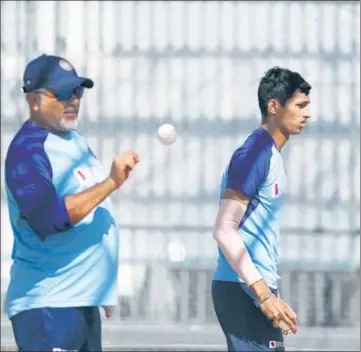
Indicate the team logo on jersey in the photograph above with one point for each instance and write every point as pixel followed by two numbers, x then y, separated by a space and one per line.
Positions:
pixel 275 190
pixel 83 175
pixel 65 65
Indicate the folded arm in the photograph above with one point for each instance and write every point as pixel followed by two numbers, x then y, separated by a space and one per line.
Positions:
pixel 30 183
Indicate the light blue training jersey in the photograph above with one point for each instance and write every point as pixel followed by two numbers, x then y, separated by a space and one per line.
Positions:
pixel 257 169
pixel 56 264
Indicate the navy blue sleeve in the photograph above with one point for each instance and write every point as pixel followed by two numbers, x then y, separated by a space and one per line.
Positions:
pixel 249 168
pixel 29 179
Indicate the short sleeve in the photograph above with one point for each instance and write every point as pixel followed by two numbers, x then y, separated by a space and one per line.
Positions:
pixel 29 179
pixel 249 168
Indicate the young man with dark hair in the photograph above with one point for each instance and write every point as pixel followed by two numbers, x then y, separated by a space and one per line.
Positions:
pixel 244 289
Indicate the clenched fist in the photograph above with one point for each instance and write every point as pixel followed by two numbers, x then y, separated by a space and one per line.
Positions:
pixel 121 167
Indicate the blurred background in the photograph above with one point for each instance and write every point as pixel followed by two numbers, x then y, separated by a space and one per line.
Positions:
pixel 197 65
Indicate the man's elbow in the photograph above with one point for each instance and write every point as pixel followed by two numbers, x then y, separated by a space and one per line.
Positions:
pixel 215 235
pixel 48 224
pixel 48 228
pixel 218 235
pixel 226 234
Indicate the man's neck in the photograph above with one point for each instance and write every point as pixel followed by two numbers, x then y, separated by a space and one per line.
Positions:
pixel 278 136
pixel 34 119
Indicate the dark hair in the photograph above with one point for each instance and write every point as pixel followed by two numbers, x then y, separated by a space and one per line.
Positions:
pixel 279 84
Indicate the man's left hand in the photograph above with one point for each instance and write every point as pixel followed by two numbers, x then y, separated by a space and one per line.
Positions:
pixel 107 311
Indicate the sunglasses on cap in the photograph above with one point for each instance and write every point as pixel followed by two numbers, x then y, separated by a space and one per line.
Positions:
pixel 65 95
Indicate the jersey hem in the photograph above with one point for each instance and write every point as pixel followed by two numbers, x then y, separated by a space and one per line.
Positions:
pixel 61 304
pixel 233 278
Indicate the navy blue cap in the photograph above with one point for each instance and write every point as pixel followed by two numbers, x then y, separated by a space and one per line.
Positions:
pixel 53 73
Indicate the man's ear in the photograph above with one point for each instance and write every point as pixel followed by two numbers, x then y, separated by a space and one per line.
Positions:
pixel 34 101
pixel 272 106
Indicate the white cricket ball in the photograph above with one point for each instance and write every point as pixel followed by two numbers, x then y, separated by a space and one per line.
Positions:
pixel 284 327
pixel 167 134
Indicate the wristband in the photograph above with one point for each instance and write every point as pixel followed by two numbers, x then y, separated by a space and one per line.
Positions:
pixel 268 295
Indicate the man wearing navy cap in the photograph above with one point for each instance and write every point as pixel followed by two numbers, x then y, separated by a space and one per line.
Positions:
pixel 65 252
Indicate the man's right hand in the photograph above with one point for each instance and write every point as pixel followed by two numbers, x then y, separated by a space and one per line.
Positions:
pixel 121 167
pixel 275 309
